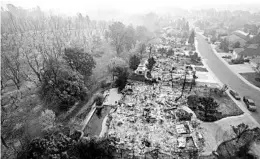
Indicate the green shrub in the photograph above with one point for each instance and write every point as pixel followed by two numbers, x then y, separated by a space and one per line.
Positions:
pixel 61 87
pixel 204 107
pixel 183 115
pixel 134 61
pixel 121 78
pixel 99 99
pixel 150 64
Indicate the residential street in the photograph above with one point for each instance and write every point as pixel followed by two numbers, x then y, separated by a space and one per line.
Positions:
pixel 226 76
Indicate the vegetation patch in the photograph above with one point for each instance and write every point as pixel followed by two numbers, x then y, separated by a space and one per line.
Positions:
pixel 201 69
pixel 205 108
pixel 253 78
pixel 240 145
pixel 68 146
pixel 183 115
pixel 226 107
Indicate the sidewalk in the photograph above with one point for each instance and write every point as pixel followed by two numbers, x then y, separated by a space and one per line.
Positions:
pixel 235 72
pixel 247 114
pixel 210 74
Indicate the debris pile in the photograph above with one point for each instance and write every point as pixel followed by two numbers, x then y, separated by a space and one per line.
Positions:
pixel 147 119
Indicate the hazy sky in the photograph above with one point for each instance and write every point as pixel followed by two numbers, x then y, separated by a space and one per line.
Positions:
pixel 128 6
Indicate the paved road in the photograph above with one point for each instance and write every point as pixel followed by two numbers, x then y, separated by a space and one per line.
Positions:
pixel 226 76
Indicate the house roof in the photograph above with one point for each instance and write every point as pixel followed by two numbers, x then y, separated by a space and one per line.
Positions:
pixel 234 38
pixel 251 50
pixel 238 50
pixel 243 35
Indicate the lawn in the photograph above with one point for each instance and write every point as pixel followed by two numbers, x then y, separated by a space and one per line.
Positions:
pixel 201 69
pixel 219 50
pixel 226 105
pixel 253 78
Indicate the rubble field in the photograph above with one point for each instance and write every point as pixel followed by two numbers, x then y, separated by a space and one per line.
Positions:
pixel 146 120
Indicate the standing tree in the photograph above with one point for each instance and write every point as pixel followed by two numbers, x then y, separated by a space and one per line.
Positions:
pixel 117 35
pixel 224 45
pixel 114 64
pixel 210 108
pixel 193 82
pixel 183 87
pixel 187 26
pixel 141 49
pixel 239 130
pixel 192 37
pixel 150 64
pixel 134 61
pixel 11 68
pixel 79 61
pixel 61 86
pixel 162 51
pixel 130 38
pixel 236 45
pixel 142 33
pixel 121 77
pixel 47 120
pixel 150 49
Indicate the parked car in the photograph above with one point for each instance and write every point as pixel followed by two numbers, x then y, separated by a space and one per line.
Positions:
pixel 227 56
pixel 249 103
pixel 234 94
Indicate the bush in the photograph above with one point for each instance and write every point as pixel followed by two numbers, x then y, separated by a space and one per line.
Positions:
pixel 204 107
pixel 183 115
pixel 47 119
pixel 134 61
pixel 62 87
pixel 237 61
pixel 150 64
pixel 99 99
pixel 63 146
pixel 193 100
pixel 121 78
pixel 79 61
pixel 104 84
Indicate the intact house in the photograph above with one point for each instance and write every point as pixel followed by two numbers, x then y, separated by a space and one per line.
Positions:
pixel 232 39
pixel 239 36
pixel 251 51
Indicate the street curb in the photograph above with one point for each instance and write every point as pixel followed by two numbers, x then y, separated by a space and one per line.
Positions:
pixel 239 76
pixel 206 65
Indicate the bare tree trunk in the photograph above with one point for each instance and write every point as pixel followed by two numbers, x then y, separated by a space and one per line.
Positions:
pixel 183 87
pixel 150 51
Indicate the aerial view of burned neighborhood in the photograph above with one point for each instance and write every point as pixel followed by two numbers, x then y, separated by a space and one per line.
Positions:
pixel 130 79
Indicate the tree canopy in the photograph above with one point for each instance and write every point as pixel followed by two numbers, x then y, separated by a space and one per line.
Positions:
pixel 134 61
pixel 117 34
pixel 61 86
pixel 192 37
pixel 79 61
pixel 115 63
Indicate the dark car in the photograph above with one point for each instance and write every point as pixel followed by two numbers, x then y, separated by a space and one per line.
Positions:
pixel 250 104
pixel 234 94
pixel 227 56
